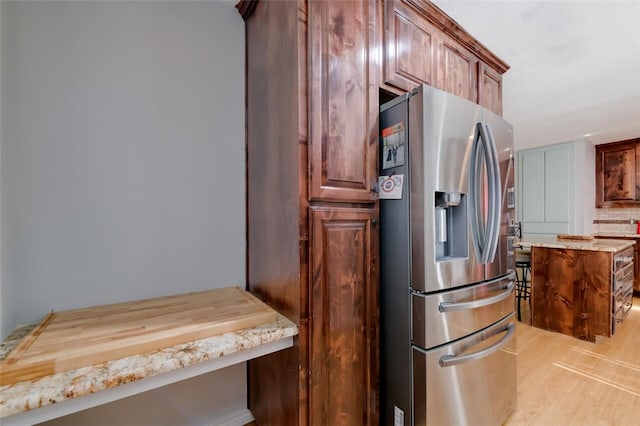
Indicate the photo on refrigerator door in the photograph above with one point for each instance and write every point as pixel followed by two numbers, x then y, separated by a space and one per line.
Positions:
pixel 393 146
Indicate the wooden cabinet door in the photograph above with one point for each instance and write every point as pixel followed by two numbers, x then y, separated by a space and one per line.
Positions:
pixel 343 100
pixel 457 69
pixel 618 174
pixel 546 177
pixel 408 44
pixel 489 88
pixel 343 376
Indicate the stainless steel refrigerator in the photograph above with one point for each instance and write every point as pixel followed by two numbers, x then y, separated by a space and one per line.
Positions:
pixel 447 265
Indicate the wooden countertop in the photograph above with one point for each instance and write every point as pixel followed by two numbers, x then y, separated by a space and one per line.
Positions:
pixel 76 338
pixel 597 244
pixel 54 395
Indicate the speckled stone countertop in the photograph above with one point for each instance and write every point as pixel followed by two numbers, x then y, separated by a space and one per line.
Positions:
pixel 594 245
pixel 615 235
pixel 27 395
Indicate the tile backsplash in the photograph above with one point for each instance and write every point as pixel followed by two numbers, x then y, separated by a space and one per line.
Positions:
pixel 621 220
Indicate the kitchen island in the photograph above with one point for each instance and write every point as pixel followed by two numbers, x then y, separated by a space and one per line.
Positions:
pixel 580 287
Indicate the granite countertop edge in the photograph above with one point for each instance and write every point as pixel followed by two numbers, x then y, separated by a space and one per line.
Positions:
pixel 23 396
pixel 598 244
pixel 615 235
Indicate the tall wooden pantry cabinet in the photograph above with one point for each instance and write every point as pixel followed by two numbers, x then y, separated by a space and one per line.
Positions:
pixel 315 71
pixel 312 130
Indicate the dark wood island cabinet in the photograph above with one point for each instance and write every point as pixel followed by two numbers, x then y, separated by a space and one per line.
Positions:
pixel 579 288
pixel 313 91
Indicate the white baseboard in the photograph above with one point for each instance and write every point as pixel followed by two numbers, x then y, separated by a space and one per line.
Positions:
pixel 239 418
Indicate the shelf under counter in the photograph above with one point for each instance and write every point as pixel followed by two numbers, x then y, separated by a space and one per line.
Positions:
pixel 55 395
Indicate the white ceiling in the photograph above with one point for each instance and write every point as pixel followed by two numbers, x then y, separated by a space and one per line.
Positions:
pixel 575 65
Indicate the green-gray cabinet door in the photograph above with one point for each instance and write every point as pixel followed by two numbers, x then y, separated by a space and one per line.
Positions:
pixel 545 187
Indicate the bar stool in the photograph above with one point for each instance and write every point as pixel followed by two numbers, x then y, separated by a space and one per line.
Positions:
pixel 523 280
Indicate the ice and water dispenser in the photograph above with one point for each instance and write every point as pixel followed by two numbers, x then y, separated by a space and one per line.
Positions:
pixel 451 226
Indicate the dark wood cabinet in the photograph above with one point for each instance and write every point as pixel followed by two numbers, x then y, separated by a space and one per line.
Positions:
pixel 312 98
pixel 343 100
pixel 312 135
pixel 618 174
pixel 581 293
pixel 571 292
pixel 409 47
pixel 457 70
pixel 422 45
pixel 490 89
pixel 344 312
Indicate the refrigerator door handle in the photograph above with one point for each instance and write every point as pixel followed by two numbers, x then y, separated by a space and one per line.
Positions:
pixel 478 232
pixel 485 236
pixel 451 360
pixel 495 195
pixel 448 306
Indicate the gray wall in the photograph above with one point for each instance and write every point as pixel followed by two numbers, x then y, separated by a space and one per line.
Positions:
pixel 122 154
pixel 7 302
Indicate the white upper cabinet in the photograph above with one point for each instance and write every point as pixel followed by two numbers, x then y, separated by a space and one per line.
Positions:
pixel 556 187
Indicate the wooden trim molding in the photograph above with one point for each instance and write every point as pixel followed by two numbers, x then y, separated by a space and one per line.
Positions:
pixel 449 26
pixel 246 8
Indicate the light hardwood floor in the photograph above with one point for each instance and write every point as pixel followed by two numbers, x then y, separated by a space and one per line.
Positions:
pixel 566 381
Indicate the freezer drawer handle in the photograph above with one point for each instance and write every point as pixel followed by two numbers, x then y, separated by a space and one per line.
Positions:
pixel 448 306
pixel 451 360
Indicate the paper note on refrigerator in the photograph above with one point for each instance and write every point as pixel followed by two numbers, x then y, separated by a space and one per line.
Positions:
pixel 390 187
pixel 393 146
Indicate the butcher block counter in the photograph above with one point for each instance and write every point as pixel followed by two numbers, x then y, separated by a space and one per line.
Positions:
pixel 575 289
pixel 91 353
